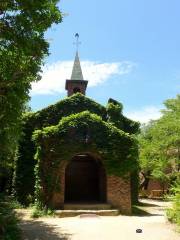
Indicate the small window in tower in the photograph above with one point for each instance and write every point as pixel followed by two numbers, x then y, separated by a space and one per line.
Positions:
pixel 75 90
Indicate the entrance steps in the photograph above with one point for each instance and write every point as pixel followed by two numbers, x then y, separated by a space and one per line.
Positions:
pixel 86 206
pixel 89 210
pixel 84 213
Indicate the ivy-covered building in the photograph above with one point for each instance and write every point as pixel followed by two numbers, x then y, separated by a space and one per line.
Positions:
pixel 77 151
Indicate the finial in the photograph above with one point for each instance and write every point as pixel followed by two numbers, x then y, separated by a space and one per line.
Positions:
pixel 77 41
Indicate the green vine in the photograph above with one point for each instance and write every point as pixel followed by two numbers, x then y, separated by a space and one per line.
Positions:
pixel 118 150
pixel 63 118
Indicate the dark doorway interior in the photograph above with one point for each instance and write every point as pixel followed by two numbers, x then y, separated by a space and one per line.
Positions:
pixel 85 180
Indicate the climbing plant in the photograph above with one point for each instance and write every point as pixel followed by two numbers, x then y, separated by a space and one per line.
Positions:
pixel 117 149
pixel 24 165
pixel 77 103
pixel 115 116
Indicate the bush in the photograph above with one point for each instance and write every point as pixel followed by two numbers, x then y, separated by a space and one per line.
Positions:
pixel 37 212
pixel 8 221
pixel 173 214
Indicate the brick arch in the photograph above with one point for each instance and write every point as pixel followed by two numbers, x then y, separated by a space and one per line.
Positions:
pixel 117 190
pixel 58 198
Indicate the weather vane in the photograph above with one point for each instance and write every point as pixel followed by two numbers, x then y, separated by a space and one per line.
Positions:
pixel 77 41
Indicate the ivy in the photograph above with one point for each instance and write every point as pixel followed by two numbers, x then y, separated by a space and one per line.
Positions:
pixel 47 122
pixel 115 116
pixel 117 149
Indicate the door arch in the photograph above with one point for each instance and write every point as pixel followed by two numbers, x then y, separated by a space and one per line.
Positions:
pixel 85 180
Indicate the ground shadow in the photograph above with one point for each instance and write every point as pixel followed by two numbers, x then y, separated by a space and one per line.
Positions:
pixel 138 211
pixel 21 213
pixel 38 230
pixel 145 204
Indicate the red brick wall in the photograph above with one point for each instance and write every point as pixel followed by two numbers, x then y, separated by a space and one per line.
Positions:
pixel 58 197
pixel 80 85
pixel 156 185
pixel 119 193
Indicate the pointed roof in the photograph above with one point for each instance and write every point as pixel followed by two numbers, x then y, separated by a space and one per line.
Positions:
pixel 77 72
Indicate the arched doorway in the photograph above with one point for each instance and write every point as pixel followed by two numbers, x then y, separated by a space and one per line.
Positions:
pixel 85 180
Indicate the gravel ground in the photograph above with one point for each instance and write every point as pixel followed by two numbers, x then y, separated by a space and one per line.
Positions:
pixel 154 226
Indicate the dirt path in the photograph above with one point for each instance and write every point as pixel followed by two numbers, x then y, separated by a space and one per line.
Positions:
pixel 153 224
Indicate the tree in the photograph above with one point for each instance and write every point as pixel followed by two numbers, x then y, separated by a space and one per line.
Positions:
pixel 160 145
pixel 22 50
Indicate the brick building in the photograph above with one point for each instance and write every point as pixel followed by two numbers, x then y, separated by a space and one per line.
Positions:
pixel 83 176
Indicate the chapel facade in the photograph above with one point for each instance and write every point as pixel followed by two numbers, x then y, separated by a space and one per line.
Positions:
pixel 85 153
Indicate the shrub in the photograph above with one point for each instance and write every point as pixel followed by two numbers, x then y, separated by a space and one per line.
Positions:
pixel 37 212
pixel 8 221
pixel 173 213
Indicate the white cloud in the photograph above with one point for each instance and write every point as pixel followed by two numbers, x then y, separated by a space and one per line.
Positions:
pixel 145 114
pixel 54 75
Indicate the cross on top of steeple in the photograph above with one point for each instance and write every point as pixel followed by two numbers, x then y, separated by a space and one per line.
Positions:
pixel 77 41
pixel 77 72
pixel 77 82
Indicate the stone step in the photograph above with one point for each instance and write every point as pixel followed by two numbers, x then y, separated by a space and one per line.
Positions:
pixel 86 213
pixel 94 206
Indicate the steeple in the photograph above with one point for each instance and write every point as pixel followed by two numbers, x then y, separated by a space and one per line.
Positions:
pixel 77 72
pixel 77 82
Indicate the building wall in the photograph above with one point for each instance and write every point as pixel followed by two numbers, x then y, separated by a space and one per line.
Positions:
pixel 119 193
pixel 156 185
pixel 58 197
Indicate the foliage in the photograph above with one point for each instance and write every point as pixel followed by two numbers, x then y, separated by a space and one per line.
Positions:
pixel 5 178
pixel 13 203
pixel 160 144
pixel 23 180
pixel 24 166
pixel 135 185
pixel 37 212
pixel 174 213
pixel 115 116
pixel 70 105
pixel 82 132
pixel 22 50
pixel 8 221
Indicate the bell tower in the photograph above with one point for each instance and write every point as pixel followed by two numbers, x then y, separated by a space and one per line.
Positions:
pixel 77 82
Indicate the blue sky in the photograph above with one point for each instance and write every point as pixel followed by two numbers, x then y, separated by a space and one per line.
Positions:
pixel 130 51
